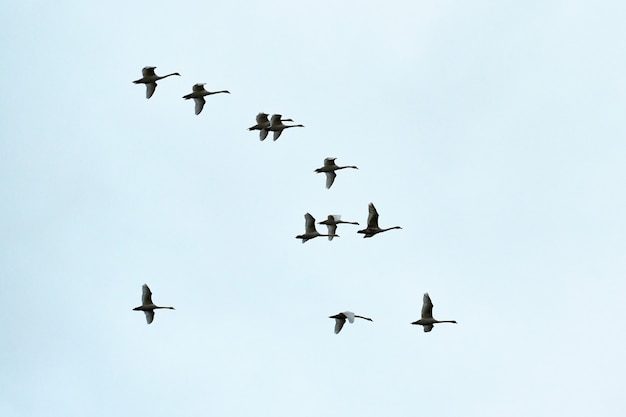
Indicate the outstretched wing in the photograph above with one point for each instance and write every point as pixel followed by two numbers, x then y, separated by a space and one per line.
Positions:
pixel 146 295
pixel 349 315
pixel 309 223
pixel 275 120
pixel 428 327
pixel 277 134
pixel 372 218
pixel 148 71
pixel 263 134
pixel 150 87
pixel 149 315
pixel 330 178
pixel 199 104
pixel 427 309
pixel 339 325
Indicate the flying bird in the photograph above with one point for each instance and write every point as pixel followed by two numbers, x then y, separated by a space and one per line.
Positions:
pixel 277 126
pixel 147 306
pixel 150 78
pixel 262 123
pixel 309 229
pixel 372 223
pixel 198 94
pixel 329 168
pixel 427 319
pixel 331 223
pixel 340 319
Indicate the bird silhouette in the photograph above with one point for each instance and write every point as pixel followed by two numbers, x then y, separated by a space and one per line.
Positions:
pixel 427 319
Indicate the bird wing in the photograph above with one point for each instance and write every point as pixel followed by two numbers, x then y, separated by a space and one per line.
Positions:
pixel 427 308
pixel 329 162
pixel 339 324
pixel 261 118
pixel 149 315
pixel 199 104
pixel 309 223
pixel 275 120
pixel 330 178
pixel 277 134
pixel 428 327
pixel 349 315
pixel 148 71
pixel 146 295
pixel 263 134
pixel 372 218
pixel 334 217
pixel 198 87
pixel 150 87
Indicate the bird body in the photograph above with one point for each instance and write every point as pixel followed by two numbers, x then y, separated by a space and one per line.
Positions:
pixel 309 229
pixel 198 93
pixel 147 306
pixel 329 168
pixel 372 223
pixel 427 319
pixel 277 126
pixel 331 223
pixel 340 319
pixel 150 78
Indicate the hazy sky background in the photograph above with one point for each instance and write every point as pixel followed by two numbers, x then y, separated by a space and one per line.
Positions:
pixel 492 132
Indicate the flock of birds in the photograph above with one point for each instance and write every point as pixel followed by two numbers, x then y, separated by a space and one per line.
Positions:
pixel 274 124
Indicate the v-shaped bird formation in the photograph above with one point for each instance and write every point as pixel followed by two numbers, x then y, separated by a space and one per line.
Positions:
pixel 275 124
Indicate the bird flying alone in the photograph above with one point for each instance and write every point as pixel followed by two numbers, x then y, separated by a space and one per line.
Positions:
pixel 329 168
pixel 331 223
pixel 147 306
pixel 340 319
pixel 309 229
pixel 372 223
pixel 198 93
pixel 277 126
pixel 150 78
pixel 427 319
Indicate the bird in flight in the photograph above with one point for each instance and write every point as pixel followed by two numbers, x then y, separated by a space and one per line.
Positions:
pixel 147 306
pixel 427 319
pixel 150 78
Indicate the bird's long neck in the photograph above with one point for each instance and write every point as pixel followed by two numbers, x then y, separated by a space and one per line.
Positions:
pixel 364 318
pixel 169 75
pixel 348 166
pixel 171 308
pixel 445 321
pixel 286 127
pixel 390 228
pixel 217 92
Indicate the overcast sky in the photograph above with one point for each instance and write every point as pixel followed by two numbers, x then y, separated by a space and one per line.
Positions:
pixel 492 132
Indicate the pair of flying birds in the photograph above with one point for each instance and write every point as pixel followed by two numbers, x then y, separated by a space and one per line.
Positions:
pixel 274 124
pixel 197 94
pixel 427 320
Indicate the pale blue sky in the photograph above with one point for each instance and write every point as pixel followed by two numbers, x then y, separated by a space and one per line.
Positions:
pixel 492 133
